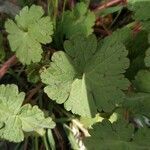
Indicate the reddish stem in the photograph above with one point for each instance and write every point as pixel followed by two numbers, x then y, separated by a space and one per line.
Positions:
pixel 136 28
pixel 108 4
pixel 60 138
pixel 10 62
pixel 32 92
pixel 71 3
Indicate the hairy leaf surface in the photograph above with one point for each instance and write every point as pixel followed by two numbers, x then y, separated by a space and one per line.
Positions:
pixel 59 77
pixel 89 77
pixel 79 20
pixel 16 119
pixel 140 9
pixel 26 34
pixel 138 104
pixel 142 81
pixel 107 136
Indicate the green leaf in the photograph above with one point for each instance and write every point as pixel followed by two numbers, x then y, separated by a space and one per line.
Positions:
pixel 33 72
pixel 51 139
pixel 138 44
pixel 59 77
pixel 87 2
pixel 141 138
pixel 81 96
pixel 88 122
pixel 33 119
pixel 79 20
pixel 107 136
pixel 138 103
pixel 16 119
pixel 137 47
pixel 72 139
pixel 81 49
pixel 89 77
pixel 140 9
pixel 25 2
pixel 110 10
pixel 104 74
pixel 142 81
pixel 28 32
pixel 123 35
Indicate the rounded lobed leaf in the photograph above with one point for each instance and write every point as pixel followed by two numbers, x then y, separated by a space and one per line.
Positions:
pixel 142 81
pixel 90 78
pixel 59 77
pixel 16 119
pixel 107 136
pixel 26 34
pixel 79 20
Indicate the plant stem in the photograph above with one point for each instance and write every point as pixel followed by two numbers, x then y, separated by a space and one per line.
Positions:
pixel 48 7
pixel 64 5
pixel 75 121
pixel 108 4
pixel 62 119
pixel 10 62
pixel 51 139
pixel 59 138
pixel 115 18
pixel 55 5
pixel 71 137
pixel 32 92
pixel 45 142
pixel 19 146
pixel 36 143
pixel 64 112
pixel 71 3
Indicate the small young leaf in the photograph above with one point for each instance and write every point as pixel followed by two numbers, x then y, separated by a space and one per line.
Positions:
pixel 142 81
pixel 33 72
pixel 79 20
pixel 88 122
pixel 26 34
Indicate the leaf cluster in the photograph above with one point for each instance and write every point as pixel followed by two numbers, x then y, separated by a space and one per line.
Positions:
pixel 98 84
